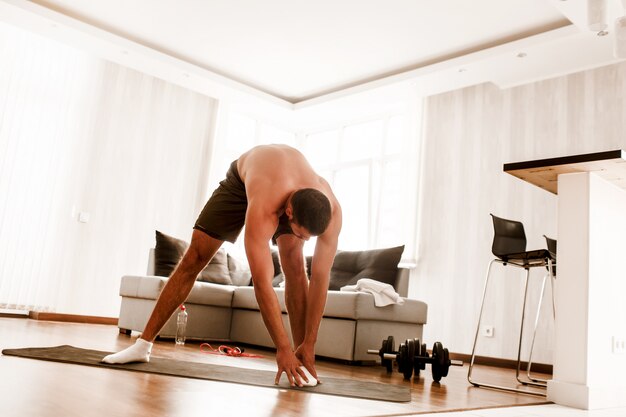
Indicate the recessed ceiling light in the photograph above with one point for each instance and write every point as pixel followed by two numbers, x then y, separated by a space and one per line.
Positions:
pixel 522 55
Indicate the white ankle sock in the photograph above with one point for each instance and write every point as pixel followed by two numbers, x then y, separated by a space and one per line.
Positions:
pixel 139 352
pixel 312 381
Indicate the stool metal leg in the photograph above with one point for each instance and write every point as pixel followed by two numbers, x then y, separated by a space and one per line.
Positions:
pixel 532 345
pixel 552 286
pixel 521 331
pixel 521 338
pixel 473 357
pixel 480 317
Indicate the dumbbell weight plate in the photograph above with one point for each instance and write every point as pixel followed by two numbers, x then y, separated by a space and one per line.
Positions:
pixel 424 353
pixel 446 362
pixel 401 357
pixel 416 362
pixel 388 347
pixel 437 365
pixel 408 369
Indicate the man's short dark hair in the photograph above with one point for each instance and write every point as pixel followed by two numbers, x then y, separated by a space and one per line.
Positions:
pixel 311 210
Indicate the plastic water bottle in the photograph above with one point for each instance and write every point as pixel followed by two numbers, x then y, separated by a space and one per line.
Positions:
pixel 181 325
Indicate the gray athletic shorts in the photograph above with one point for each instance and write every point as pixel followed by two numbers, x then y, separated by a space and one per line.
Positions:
pixel 224 215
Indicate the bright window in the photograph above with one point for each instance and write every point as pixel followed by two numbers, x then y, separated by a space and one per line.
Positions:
pixel 371 166
pixel 366 164
pixel 243 132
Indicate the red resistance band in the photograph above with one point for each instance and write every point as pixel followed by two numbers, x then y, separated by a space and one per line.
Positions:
pixel 227 351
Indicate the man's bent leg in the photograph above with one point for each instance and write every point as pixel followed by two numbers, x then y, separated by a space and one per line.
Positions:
pixel 201 250
pixel 174 293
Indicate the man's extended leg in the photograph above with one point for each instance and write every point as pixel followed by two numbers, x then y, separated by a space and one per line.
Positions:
pixel 174 293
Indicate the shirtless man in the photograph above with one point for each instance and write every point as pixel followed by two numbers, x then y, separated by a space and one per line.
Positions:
pixel 276 193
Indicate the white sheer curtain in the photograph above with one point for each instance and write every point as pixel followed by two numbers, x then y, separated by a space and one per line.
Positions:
pixel 81 135
pixel 42 90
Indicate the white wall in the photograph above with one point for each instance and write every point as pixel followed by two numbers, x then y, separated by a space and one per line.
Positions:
pixel 79 134
pixel 469 134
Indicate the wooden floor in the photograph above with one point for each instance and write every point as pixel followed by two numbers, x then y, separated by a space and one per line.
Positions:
pixel 47 389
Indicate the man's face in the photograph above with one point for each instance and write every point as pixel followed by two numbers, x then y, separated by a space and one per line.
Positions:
pixel 299 231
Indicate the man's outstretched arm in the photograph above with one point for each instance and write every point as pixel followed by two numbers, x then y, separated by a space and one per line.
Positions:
pixel 323 257
pixel 259 230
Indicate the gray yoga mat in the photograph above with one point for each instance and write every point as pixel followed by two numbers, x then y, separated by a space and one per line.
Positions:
pixel 331 386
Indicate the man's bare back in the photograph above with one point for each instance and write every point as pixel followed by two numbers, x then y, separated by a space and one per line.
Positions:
pixel 273 172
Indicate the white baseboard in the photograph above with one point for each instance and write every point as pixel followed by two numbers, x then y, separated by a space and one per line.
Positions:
pixel 585 397
pixel 11 312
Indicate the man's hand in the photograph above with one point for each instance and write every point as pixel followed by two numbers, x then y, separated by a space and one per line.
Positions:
pixel 289 364
pixel 305 353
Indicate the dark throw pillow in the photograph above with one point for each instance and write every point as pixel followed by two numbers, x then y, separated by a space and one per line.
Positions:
pixel 277 280
pixel 276 261
pixel 278 271
pixel 169 251
pixel 378 264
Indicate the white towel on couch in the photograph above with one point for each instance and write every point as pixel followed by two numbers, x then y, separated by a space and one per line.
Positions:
pixel 384 294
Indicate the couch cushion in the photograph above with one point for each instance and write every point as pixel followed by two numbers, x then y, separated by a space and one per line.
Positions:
pixel 239 271
pixel 141 286
pixel 345 305
pixel 412 311
pixel 217 270
pixel 341 304
pixel 202 293
pixel 360 306
pixel 212 294
pixel 245 298
pixel 378 264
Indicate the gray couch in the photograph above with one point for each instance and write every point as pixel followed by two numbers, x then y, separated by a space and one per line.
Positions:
pixel 351 323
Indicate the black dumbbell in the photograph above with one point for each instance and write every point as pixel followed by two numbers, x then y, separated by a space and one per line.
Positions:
pixel 388 346
pixel 412 357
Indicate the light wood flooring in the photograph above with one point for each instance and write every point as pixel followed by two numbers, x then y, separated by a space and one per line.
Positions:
pixel 47 389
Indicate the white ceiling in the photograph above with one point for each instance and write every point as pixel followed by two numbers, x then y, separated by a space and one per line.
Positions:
pixel 297 51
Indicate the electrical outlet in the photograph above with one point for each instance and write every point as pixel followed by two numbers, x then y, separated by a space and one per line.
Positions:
pixel 619 345
pixel 487 331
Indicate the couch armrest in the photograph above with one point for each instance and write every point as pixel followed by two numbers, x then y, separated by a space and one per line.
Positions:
pixel 150 262
pixel 402 281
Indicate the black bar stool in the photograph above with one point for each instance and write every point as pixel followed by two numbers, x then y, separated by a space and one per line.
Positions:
pixel 509 248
